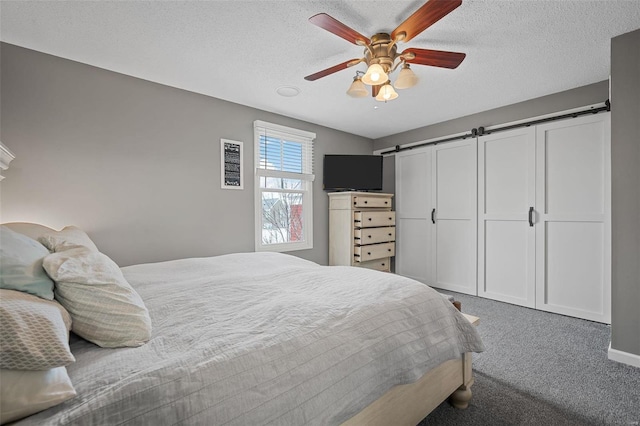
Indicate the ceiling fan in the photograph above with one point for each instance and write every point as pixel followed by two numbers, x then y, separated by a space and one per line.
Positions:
pixel 381 55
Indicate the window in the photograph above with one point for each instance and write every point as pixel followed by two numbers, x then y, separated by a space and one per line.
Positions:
pixel 283 187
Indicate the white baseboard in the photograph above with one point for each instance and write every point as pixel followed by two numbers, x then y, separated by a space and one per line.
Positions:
pixel 624 357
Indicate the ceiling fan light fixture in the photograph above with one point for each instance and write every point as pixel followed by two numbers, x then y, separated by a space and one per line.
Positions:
pixel 386 93
pixel 381 53
pixel 375 75
pixel 357 88
pixel 406 78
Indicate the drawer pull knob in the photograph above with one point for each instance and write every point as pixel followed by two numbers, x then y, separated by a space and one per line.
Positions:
pixel 365 201
pixel 389 249
pixel 369 253
pixel 389 233
pixel 386 202
pixel 383 264
pixel 369 219
pixel 369 236
pixel 390 218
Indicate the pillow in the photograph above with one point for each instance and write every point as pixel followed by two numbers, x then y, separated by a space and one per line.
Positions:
pixel 69 237
pixel 21 264
pixel 105 309
pixel 34 332
pixel 26 392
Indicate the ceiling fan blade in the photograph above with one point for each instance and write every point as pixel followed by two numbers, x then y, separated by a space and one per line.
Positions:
pixel 434 58
pixel 332 69
pixel 430 13
pixel 336 27
pixel 375 90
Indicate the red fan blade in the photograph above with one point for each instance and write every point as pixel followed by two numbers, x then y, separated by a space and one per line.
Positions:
pixel 336 27
pixel 333 69
pixel 430 13
pixel 434 58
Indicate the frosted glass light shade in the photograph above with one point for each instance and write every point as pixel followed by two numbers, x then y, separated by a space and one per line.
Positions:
pixel 386 93
pixel 375 75
pixel 357 89
pixel 406 78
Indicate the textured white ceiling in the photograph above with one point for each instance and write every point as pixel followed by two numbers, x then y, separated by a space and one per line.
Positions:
pixel 242 51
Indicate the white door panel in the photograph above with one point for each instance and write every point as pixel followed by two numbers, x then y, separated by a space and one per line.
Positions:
pixel 509 263
pixel 412 252
pixel 506 240
pixel 413 209
pixel 573 250
pixel 413 187
pixel 454 253
pixel 506 171
pixel 574 269
pixel 455 189
pixel 574 168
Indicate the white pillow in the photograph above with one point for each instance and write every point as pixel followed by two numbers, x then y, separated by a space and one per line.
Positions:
pixel 34 333
pixel 69 237
pixel 104 308
pixel 26 392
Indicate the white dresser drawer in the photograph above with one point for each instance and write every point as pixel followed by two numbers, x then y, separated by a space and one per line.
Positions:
pixel 374 235
pixel 373 219
pixel 383 264
pixel 371 201
pixel 374 251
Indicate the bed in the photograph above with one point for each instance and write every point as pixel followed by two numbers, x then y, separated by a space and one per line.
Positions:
pixel 269 338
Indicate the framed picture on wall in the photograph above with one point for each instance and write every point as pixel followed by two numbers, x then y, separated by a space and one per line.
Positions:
pixel 231 164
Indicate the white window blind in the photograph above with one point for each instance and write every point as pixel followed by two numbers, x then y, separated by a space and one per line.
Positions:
pixel 284 177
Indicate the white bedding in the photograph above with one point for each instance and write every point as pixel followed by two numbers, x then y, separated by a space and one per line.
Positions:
pixel 263 338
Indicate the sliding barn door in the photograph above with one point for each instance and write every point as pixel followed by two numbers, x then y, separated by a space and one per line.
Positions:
pixel 453 216
pixel 506 197
pixel 413 206
pixel 573 231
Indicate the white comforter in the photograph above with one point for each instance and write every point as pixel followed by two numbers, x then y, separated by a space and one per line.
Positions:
pixel 263 338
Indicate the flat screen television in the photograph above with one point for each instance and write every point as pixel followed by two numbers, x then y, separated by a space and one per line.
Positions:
pixel 352 173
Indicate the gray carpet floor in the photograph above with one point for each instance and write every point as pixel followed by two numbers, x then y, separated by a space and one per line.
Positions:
pixel 541 368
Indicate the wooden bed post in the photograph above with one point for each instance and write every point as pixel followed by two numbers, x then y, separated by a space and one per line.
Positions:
pixel 460 397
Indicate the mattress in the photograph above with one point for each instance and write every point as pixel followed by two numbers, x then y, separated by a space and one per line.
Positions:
pixel 263 338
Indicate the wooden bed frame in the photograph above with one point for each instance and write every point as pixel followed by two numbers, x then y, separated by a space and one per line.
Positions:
pixel 401 405
pixel 409 404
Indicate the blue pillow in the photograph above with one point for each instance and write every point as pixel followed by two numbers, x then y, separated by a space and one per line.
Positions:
pixel 21 264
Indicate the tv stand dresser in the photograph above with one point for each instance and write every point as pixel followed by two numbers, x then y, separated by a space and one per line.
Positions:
pixel 362 229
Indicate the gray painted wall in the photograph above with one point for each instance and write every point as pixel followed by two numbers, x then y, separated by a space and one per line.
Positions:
pixel 625 192
pixel 134 163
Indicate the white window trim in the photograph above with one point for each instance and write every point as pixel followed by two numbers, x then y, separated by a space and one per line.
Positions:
pixel 284 132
